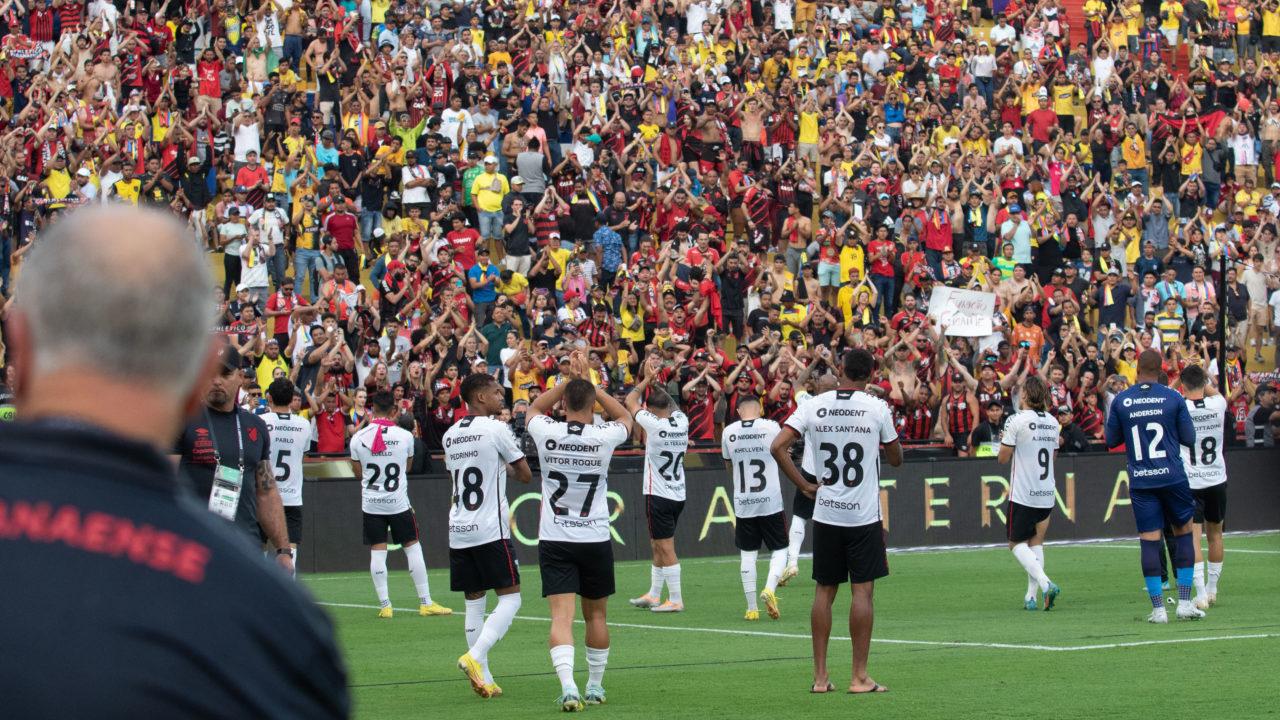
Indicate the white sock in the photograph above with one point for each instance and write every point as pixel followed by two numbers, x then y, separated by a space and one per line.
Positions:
pixel 378 569
pixel 1215 572
pixel 797 539
pixel 472 625
pixel 655 582
pixel 562 660
pixel 748 571
pixel 777 563
pixel 418 571
pixel 597 658
pixel 474 620
pixel 1027 558
pixel 496 626
pixel 1198 579
pixel 672 573
pixel 1032 585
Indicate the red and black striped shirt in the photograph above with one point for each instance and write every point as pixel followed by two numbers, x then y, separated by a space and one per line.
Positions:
pixel 959 417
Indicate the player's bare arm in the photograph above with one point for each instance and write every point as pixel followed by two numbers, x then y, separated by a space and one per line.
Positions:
pixel 519 470
pixel 271 512
pixel 781 451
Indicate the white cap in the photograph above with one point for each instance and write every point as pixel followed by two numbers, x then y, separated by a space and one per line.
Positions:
pixel 84 172
pixel 490 159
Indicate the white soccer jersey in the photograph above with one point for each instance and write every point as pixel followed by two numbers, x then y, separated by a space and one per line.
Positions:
pixel 384 486
pixel 476 453
pixel 745 444
pixel 665 442
pixel 1203 463
pixel 845 429
pixel 574 461
pixel 807 461
pixel 290 438
pixel 1034 438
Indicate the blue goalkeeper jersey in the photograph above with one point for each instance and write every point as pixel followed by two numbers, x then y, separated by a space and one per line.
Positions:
pixel 1151 421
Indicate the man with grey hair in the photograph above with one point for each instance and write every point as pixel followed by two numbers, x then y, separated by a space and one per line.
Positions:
pixel 115 573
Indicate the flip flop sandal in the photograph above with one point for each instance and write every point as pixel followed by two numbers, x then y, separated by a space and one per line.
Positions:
pixel 815 691
pixel 875 688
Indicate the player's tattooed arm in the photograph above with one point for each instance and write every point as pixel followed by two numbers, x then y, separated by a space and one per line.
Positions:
pixel 265 478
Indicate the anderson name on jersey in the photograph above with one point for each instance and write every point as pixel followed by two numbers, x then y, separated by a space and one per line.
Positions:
pixel 477 451
pixel 666 441
pixel 290 439
pixel 384 489
pixel 1034 438
pixel 1203 460
pixel 845 429
pixel 745 444
pixel 574 462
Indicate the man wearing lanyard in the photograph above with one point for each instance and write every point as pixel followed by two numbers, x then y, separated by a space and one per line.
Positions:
pixel 226 448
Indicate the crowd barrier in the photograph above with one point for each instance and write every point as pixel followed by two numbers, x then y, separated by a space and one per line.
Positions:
pixel 925 503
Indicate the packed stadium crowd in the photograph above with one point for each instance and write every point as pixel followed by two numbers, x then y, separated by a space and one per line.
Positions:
pixel 717 197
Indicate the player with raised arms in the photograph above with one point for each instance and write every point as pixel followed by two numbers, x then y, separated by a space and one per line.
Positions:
pixel 1030 441
pixel 575 548
pixel 665 432
pixel 1207 475
pixel 290 436
pixel 381 453
pixel 757 502
pixel 846 426
pixel 478 450
pixel 1152 422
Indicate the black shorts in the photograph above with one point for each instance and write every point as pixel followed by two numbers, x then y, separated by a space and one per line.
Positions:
pixel 1211 504
pixel 403 527
pixel 1021 521
pixel 292 524
pixel 769 530
pixel 662 514
pixel 584 569
pixel 801 504
pixel 848 554
pixel 491 566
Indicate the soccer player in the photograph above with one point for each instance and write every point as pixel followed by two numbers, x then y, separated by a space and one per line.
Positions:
pixel 666 439
pixel 801 504
pixel 757 502
pixel 1152 421
pixel 1207 475
pixel 381 453
pixel 290 436
pixel 478 450
pixel 1031 441
pixel 575 550
pixel 846 427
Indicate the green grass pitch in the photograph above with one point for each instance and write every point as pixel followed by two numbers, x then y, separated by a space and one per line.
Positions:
pixel 952 640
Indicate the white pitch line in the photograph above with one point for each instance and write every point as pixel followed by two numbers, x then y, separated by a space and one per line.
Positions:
pixel 1228 550
pixel 1094 542
pixel 886 641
